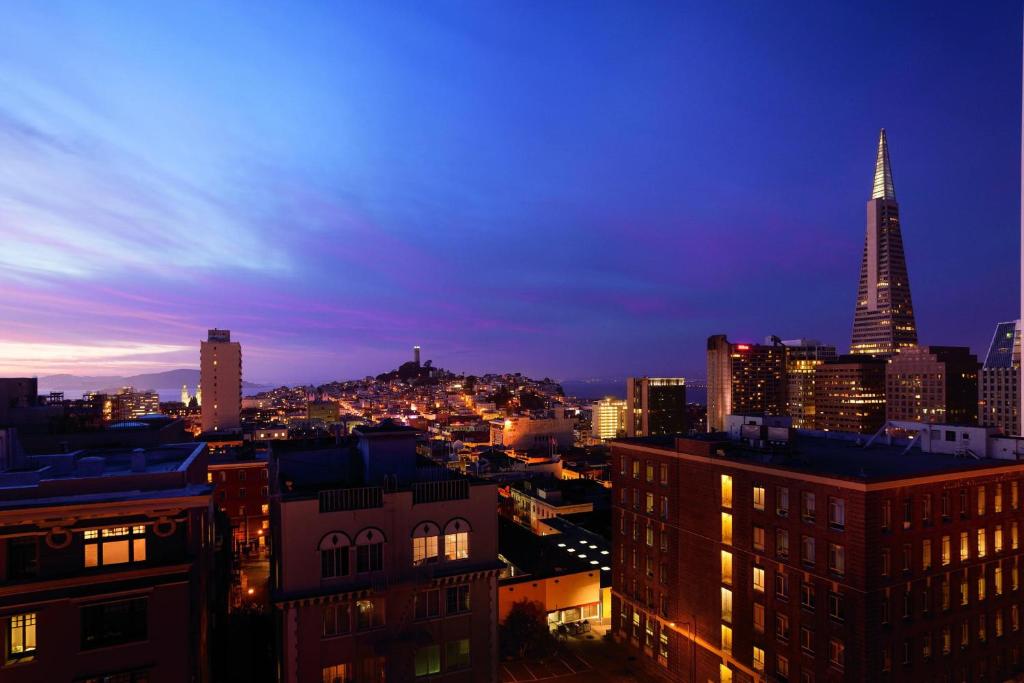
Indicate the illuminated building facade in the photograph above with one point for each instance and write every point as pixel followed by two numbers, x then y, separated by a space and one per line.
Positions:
pixel 999 381
pixel 803 356
pixel 883 321
pixel 936 384
pixel 849 394
pixel 839 563
pixel 220 374
pixel 128 404
pixel 607 419
pixel 107 568
pixel 744 378
pixel 656 405
pixel 549 430
pixel 383 567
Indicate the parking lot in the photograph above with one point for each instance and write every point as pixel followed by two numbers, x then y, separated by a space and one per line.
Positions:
pixel 562 666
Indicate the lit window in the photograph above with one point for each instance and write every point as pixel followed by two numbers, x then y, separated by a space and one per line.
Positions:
pixel 726 604
pixel 758 658
pixel 965 549
pixel 21 636
pixel 424 549
pixel 114 545
pixel 727 567
pixel 726 639
pixel 338 673
pixel 726 528
pixel 759 497
pixel 456 546
pixel 945 551
pixel 726 491
pixel 759 579
pixel 981 543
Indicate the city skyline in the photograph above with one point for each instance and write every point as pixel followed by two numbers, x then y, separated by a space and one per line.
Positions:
pixel 159 187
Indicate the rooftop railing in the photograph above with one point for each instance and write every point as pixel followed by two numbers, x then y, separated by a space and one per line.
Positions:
pixel 436 491
pixel 336 500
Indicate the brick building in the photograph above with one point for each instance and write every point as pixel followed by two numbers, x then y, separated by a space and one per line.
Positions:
pixel 241 491
pixel 383 565
pixel 790 557
pixel 107 565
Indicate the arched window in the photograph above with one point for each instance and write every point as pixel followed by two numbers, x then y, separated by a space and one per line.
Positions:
pixel 334 555
pixel 456 539
pixel 369 551
pixel 424 543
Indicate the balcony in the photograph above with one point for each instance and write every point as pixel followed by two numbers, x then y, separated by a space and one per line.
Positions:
pixel 337 500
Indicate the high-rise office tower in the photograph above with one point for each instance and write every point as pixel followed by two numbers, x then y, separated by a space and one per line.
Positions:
pixel 849 394
pixel 655 405
pixel 937 384
pixel 999 382
pixel 802 357
pixel 883 321
pixel 220 374
pixel 607 419
pixel 744 378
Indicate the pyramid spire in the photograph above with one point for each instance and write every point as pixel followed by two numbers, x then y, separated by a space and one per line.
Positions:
pixel 883 188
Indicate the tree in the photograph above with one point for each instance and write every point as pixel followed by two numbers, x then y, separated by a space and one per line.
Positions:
pixel 525 632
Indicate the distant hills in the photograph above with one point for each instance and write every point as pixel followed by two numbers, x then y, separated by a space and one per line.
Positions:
pixel 171 379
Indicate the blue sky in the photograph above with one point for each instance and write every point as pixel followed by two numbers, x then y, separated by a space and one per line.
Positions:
pixel 570 189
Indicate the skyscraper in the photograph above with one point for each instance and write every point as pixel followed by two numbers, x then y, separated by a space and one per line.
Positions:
pixel 999 381
pixel 883 321
pixel 220 375
pixel 802 357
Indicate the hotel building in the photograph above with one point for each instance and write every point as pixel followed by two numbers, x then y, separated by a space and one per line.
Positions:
pixel 744 378
pixel 786 557
pixel 384 566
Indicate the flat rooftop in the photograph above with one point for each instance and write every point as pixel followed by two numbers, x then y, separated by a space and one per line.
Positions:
pixel 838 457
pixel 535 557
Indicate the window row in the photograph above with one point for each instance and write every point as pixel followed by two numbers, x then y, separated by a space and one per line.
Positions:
pixel 808 502
pixel 921 509
pixel 947 638
pixel 649 468
pixel 101 625
pixel 456 656
pixel 982 543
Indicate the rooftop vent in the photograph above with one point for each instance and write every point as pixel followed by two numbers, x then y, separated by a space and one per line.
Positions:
pixel 90 467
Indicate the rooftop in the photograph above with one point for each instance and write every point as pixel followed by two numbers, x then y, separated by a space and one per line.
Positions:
pixel 536 557
pixel 835 455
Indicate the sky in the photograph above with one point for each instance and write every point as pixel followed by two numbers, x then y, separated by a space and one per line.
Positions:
pixel 565 189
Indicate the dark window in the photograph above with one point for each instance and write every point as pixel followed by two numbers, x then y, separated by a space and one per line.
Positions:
pixel 22 558
pixel 456 599
pixel 370 557
pixel 113 623
pixel 334 562
pixel 428 604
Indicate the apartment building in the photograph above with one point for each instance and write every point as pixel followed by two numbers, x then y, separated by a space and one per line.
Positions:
pixel 384 566
pixel 107 564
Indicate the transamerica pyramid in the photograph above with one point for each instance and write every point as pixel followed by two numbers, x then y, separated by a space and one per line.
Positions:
pixel 883 321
